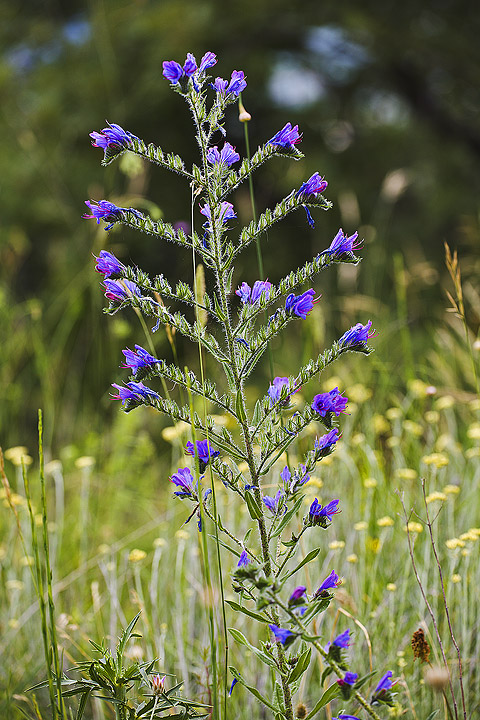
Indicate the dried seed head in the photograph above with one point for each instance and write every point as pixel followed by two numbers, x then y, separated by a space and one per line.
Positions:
pixel 437 678
pixel 420 646
pixel 301 710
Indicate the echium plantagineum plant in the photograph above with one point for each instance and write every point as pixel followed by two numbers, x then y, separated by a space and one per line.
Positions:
pixel 241 324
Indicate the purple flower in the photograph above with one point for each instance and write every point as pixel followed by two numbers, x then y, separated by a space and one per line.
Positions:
pixel 252 295
pixel 275 504
pixel 329 402
pixel 275 390
pixel 300 477
pixel 138 358
pixel 103 210
pixel 326 441
pixel 342 244
pixel 317 512
pixel 287 137
pixel 348 679
pixel 173 71
pixel 226 156
pixel 232 686
pixel 108 265
pixel 385 683
pixel 342 640
pixel 356 338
pixel 112 137
pixel 120 290
pixel 314 186
pixel 301 305
pixel 283 636
pixel 346 717
pixel 297 594
pixel 184 480
pixel 203 451
pixel 236 85
pixel 332 581
pixel 244 559
pixel 190 65
pixel 133 391
pixel 207 61
pixel 226 213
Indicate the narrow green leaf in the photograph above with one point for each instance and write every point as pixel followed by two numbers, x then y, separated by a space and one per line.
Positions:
pixel 253 507
pixel 432 715
pixel 250 688
pixel 240 608
pixel 330 693
pixel 287 517
pixel 240 407
pixel 242 640
pixel 82 705
pixel 308 558
pixel 302 664
pixel 126 636
pixel 361 681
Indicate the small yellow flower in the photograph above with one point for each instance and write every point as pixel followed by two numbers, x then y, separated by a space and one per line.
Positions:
pixel 418 388
pixel 137 555
pixel 242 467
pixel 16 454
pixel 17 500
pixel 401 662
pixel 26 561
pixel 336 545
pixel 465 552
pixel 373 544
pixel 103 549
pixel 475 531
pixel 14 585
pixel 184 535
pixel 329 459
pixel 445 402
pixel 473 431
pixel 393 441
pixel 369 483
pixel 432 417
pixel 414 527
pixel 393 413
pixel 175 432
pixel 472 453
pixel 380 425
pixel 362 525
pixel 13 623
pixel 315 482
pixel 331 383
pixel 159 542
pixel 436 496
pixel 359 393
pixel 456 578
pixel 437 459
pixel 475 404
pixel 53 466
pixel 406 474
pixel 358 439
pixel 85 461
pixel 391 587
pixel 352 558
pixel 385 521
pixel 451 489
pixel 454 543
pixel 413 428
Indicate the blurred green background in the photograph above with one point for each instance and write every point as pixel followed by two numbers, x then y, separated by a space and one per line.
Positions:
pixel 387 97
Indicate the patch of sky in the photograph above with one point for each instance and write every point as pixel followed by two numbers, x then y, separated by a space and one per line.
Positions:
pixel 23 57
pixel 294 85
pixel 339 55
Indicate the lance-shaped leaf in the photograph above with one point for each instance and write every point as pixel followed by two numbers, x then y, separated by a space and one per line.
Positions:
pixel 330 694
pixel 242 640
pixel 246 611
pixel 253 690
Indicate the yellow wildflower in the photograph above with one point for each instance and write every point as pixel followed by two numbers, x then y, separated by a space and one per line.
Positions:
pixel 137 555
pixel 393 441
pixel 472 453
pixel 359 393
pixel 432 417
pixel 362 525
pixel 336 545
pixel 380 425
pixel 391 587
pixel 414 527
pixel 451 489
pixel 85 461
pixel 385 521
pixel 369 483
pixel 456 578
pixel 418 388
pixel 159 542
pixel 436 496
pixel 393 413
pixel 406 474
pixel 413 428
pixel 445 402
pixel 473 431
pixel 358 439
pixel 454 543
pixel 437 459
pixel 352 558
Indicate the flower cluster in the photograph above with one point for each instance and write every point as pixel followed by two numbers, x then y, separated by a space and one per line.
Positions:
pixel 237 344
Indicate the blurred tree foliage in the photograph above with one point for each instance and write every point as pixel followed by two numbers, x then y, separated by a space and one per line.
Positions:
pixel 386 95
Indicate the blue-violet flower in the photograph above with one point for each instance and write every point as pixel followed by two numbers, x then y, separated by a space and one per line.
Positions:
pixel 357 337
pixel 326 441
pixel 203 451
pixel 275 504
pixel 227 156
pixel 342 244
pixel 112 137
pixel 332 581
pixel 133 391
pixel 283 636
pixel 287 137
pixel 138 358
pixel 301 305
pixel 252 295
pixel 108 265
pixel 120 290
pixel 313 186
pixel 329 402
pixel 184 480
pixel 103 210
pixel 244 559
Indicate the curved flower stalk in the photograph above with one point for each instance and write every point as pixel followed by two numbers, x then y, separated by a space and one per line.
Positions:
pixel 246 319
